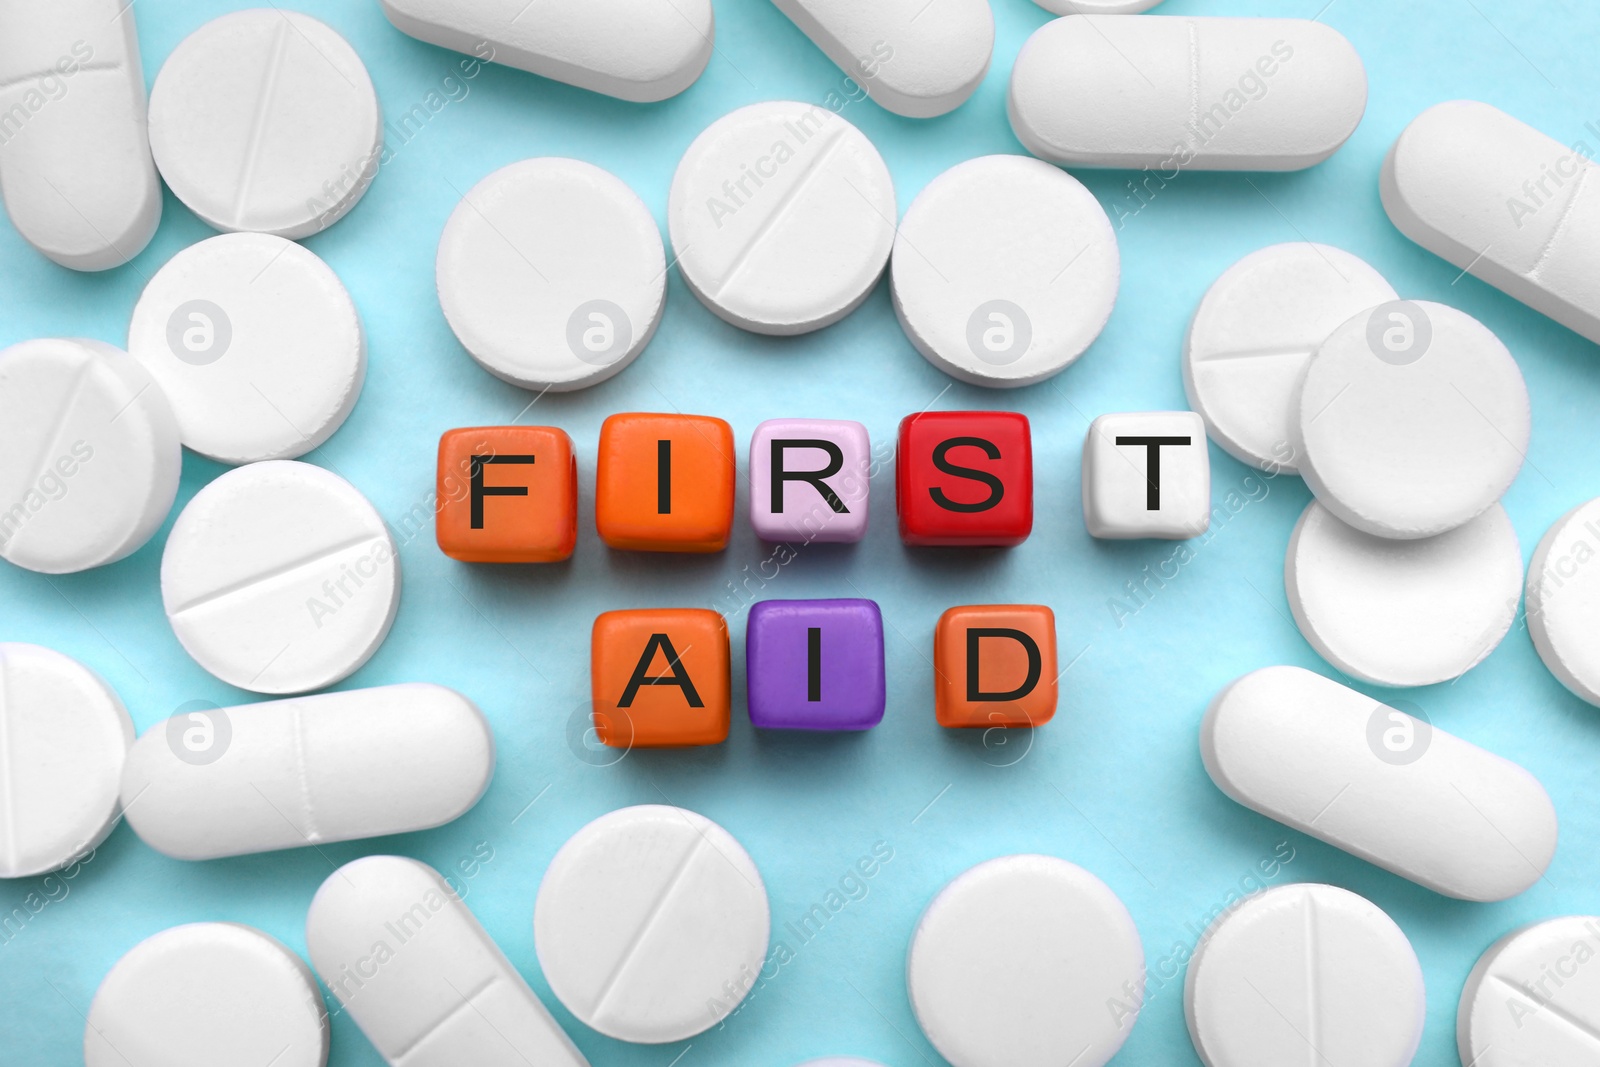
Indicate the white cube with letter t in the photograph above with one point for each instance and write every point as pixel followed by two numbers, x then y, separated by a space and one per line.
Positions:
pixel 1147 474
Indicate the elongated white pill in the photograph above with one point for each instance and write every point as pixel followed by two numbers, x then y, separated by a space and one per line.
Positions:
pixel 75 163
pixel 1403 613
pixel 914 61
pixel 89 455
pixel 1534 998
pixel 1564 600
pixel 265 120
pixel 289 773
pixel 1378 783
pixel 651 924
pixel 204 995
pixel 639 50
pixel 1305 973
pixel 1255 331
pixel 1026 961
pixel 280 577
pixel 421 977
pixel 255 343
pixel 63 737
pixel 1504 202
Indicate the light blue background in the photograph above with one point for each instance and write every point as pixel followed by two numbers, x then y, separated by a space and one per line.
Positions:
pixel 1114 783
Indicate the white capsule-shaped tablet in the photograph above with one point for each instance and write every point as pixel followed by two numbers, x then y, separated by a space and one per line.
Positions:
pixel 63 737
pixel 1504 202
pixel 1253 334
pixel 75 163
pixel 421 977
pixel 217 782
pixel 782 217
pixel 1305 971
pixel 255 343
pixel 89 455
pixel 651 924
pixel 638 50
pixel 1564 600
pixel 1177 94
pixel 280 577
pixel 1378 783
pixel 913 61
pixel 1412 419
pixel 1403 613
pixel 1005 270
pixel 204 995
pixel 1026 961
pixel 266 120
pixel 1534 998
pixel 552 274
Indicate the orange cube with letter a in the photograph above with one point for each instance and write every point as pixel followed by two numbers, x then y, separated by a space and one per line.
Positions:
pixel 660 678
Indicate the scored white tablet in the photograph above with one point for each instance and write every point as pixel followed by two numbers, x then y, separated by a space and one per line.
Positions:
pixel 782 217
pixel 1534 998
pixel 280 577
pixel 1564 600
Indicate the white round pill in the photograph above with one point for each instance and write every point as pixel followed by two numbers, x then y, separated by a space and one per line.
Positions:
pixel 1305 974
pixel 1026 961
pixel 266 120
pixel 1411 420
pixel 256 344
pixel 1005 270
pixel 89 455
pixel 782 217
pixel 66 736
pixel 1403 613
pixel 1564 600
pixel 1255 331
pixel 280 577
pixel 552 274
pixel 206 994
pixel 651 924
pixel 1534 998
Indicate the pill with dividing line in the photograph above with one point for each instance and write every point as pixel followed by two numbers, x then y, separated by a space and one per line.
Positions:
pixel 1534 998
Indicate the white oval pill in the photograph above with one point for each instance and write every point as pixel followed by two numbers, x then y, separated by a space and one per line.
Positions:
pixel 552 274
pixel 1175 94
pixel 256 344
pixel 1379 783
pixel 1403 613
pixel 1026 961
pixel 424 981
pixel 1502 201
pixel 65 735
pixel 1412 419
pixel 651 924
pixel 1534 998
pixel 74 155
pixel 206 994
pixel 1255 331
pixel 1305 972
pixel 1005 270
pixel 782 217
pixel 280 577
pixel 638 50
pixel 89 455
pixel 287 773
pixel 912 61
pixel 1564 600
pixel 266 120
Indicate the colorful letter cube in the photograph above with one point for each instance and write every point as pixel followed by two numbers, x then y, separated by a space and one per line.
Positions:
pixel 665 483
pixel 808 480
pixel 507 494
pixel 965 478
pixel 815 664
pixel 660 678
pixel 1147 474
pixel 995 666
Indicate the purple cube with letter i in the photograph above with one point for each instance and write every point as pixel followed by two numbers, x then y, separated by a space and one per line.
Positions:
pixel 815 664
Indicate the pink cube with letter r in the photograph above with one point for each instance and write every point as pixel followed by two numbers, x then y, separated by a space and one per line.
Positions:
pixel 809 480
